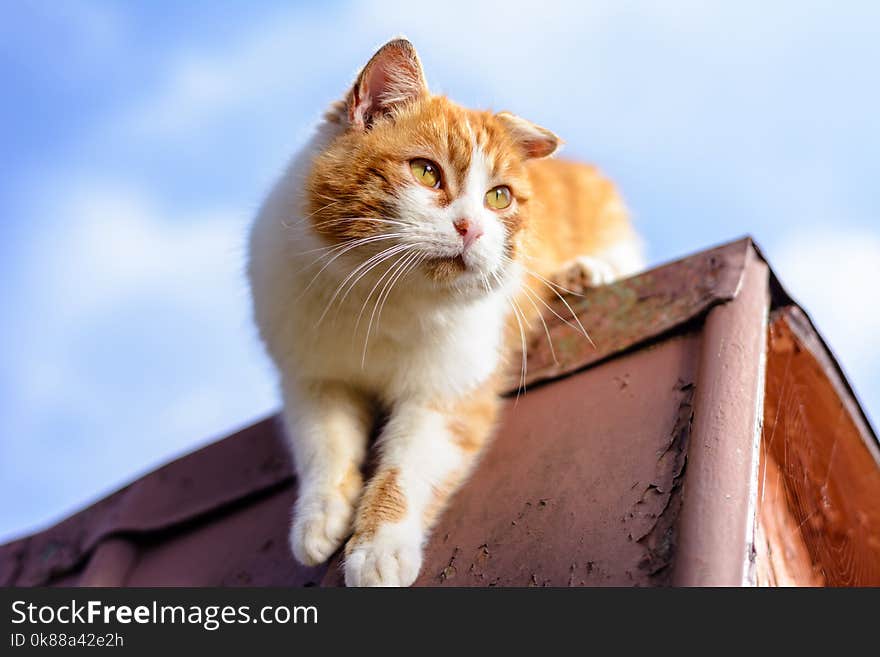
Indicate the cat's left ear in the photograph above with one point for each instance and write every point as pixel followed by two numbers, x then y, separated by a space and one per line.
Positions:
pixel 393 76
pixel 533 140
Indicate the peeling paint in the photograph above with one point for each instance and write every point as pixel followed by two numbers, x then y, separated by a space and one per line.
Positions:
pixel 659 537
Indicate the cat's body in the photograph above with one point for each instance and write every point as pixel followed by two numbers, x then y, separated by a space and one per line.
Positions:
pixel 377 293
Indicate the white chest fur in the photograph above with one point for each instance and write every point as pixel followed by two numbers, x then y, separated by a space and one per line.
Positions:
pixel 415 347
pixel 419 346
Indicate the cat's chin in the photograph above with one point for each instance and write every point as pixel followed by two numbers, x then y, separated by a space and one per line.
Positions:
pixel 454 276
pixel 446 269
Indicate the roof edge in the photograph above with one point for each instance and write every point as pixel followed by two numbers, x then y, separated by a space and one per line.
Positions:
pixel 632 312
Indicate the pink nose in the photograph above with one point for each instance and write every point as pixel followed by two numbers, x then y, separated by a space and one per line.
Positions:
pixel 470 231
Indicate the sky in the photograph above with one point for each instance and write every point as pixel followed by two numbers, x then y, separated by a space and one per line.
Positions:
pixel 138 139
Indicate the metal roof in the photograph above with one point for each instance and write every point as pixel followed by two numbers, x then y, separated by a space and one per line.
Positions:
pixel 708 437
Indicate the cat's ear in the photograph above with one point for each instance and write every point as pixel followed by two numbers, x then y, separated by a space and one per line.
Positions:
pixel 393 76
pixel 533 140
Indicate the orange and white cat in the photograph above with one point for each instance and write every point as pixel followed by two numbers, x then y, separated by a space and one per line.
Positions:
pixel 385 267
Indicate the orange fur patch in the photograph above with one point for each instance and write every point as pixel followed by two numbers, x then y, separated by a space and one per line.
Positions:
pixel 440 498
pixel 383 502
pixel 351 484
pixel 470 420
pixel 356 180
pixel 576 211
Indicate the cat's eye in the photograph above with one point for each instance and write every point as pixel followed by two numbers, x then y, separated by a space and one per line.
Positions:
pixel 425 172
pixel 499 198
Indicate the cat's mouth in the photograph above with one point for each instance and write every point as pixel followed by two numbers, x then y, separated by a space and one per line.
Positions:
pixel 445 268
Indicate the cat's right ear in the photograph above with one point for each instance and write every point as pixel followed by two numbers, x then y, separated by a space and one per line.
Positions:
pixel 533 140
pixel 392 76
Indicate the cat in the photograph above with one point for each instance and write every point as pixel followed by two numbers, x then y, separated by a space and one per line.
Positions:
pixel 390 271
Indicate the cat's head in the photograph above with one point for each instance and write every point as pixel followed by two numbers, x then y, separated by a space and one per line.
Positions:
pixel 438 190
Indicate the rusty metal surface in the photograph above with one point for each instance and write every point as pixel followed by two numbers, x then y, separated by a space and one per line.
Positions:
pixel 633 311
pixel 251 463
pixel 579 487
pixel 201 483
pixel 800 321
pixel 717 522
pixel 561 498
pixel 587 482
pixel 820 467
pixel 781 554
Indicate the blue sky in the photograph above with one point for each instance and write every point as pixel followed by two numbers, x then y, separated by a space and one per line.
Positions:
pixel 138 140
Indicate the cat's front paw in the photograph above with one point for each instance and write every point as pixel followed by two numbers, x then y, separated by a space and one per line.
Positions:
pixel 321 522
pixel 392 556
pixel 584 272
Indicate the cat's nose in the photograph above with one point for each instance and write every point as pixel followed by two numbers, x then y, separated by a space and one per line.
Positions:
pixel 469 230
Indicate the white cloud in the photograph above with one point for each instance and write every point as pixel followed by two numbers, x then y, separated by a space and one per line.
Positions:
pixel 270 60
pixel 117 247
pixel 832 272
pixel 115 242
pixel 88 31
pixel 136 341
pixel 651 83
pixel 280 56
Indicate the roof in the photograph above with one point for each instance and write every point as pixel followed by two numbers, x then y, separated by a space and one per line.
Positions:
pixel 709 437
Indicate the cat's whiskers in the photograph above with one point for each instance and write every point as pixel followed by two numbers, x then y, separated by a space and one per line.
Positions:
pixel 552 287
pixel 525 353
pixel 514 307
pixel 340 220
pixel 386 292
pixel 392 270
pixel 310 215
pixel 553 311
pixel 345 220
pixel 378 282
pixel 329 250
pixel 522 334
pixel 416 246
pixel 364 268
pixel 363 274
pixel 528 293
pixel 332 247
pixel 336 247
pixel 401 267
pixel 347 247
pixel 408 267
pixel 548 282
pixel 486 283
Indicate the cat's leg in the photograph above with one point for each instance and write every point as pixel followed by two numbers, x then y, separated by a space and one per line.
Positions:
pixel 328 425
pixel 427 450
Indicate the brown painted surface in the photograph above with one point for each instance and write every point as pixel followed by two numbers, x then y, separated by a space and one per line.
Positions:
pixel 153 526
pixel 616 469
pixel 207 483
pixel 577 488
pixel 820 464
pixel 632 312
pixel 717 524
pixel 781 555
pixel 561 498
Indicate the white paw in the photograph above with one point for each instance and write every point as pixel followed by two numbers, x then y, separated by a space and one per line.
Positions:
pixel 321 522
pixel 584 272
pixel 392 557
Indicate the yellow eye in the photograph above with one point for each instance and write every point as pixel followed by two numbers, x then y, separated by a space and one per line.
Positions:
pixel 499 197
pixel 425 172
